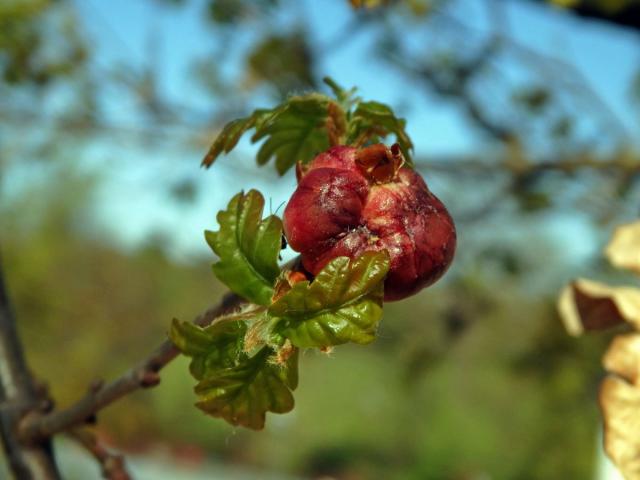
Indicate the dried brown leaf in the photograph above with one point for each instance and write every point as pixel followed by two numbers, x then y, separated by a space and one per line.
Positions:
pixel 623 357
pixel 620 404
pixel 587 305
pixel 623 251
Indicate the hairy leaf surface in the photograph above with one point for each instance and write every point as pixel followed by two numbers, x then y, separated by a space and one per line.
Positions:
pixel 304 125
pixel 232 385
pixel 296 132
pixel 374 120
pixel 228 138
pixel 212 348
pixel 342 304
pixel 248 247
pixel 243 394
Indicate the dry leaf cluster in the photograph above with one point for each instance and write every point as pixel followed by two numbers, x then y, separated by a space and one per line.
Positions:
pixel 586 305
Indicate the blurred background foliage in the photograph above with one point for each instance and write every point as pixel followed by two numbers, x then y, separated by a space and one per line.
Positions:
pixel 104 118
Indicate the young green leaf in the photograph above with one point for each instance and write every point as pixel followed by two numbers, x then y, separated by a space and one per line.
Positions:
pixel 346 98
pixel 212 348
pixel 232 384
pixel 305 125
pixel 297 132
pixel 243 394
pixel 228 138
pixel 248 248
pixel 342 304
pixel 374 120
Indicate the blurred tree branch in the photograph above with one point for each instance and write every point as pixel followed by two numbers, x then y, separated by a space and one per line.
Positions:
pixel 112 465
pixel 157 118
pixel 567 164
pixel 143 375
pixel 454 78
pixel 19 394
pixel 455 82
pixel 624 13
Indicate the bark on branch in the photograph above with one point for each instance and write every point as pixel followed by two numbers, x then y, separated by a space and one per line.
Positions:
pixel 36 427
pixel 18 395
pixel 112 465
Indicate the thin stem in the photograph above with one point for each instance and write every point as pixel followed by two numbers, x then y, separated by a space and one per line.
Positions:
pixel 143 375
pixel 112 465
pixel 336 124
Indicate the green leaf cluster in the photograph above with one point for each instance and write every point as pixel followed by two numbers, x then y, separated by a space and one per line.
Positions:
pixel 246 362
pixel 373 121
pixel 232 384
pixel 342 304
pixel 215 347
pixel 248 247
pixel 305 125
pixel 294 132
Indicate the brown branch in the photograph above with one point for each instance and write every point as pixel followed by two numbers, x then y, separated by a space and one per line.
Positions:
pixel 112 465
pixel 551 67
pixel 143 375
pixel 456 82
pixel 18 395
pixel 476 165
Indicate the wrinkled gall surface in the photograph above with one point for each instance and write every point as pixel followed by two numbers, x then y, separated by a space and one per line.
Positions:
pixel 350 201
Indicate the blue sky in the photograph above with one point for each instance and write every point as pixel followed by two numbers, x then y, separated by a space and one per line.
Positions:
pixel 606 56
pixel 121 29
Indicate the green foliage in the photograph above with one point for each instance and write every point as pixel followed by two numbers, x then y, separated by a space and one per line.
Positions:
pixel 233 385
pixel 305 125
pixel 368 3
pixel 294 133
pixel 342 304
pixel 211 348
pixel 242 395
pixel 248 247
pixel 28 30
pixel 372 121
pixel 231 12
pixel 226 11
pixel 283 61
pixel 231 133
pixel 346 98
pixel 97 291
pixel 513 348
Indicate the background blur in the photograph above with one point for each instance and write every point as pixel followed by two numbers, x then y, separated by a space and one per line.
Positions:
pixel 525 119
